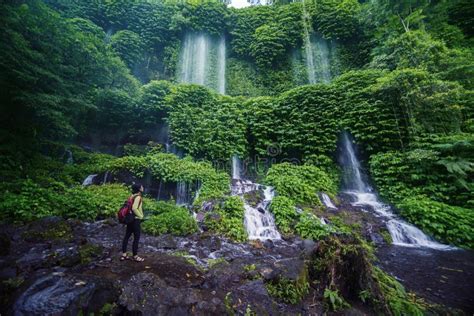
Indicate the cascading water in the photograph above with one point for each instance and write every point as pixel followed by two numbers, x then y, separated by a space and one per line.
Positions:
pixel 308 48
pixel 181 193
pixel 352 175
pixel 221 59
pixel 317 53
pixel 258 221
pixel 402 233
pixel 203 61
pixel 322 63
pixel 70 158
pixel 89 180
pixel 236 167
pixel 327 201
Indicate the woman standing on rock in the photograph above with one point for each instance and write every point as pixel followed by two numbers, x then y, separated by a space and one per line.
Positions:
pixel 135 226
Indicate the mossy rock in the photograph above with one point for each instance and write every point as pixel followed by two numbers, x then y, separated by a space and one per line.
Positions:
pixel 49 229
pixel 253 198
pixel 291 285
pixel 88 252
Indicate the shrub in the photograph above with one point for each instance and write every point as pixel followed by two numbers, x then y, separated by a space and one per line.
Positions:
pixel 178 222
pixel 300 183
pixel 285 214
pixel 229 221
pixel 451 224
pixel 310 227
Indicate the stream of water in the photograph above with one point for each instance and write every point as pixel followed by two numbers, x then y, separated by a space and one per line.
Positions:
pixel 355 184
pixel 203 61
pixel 258 221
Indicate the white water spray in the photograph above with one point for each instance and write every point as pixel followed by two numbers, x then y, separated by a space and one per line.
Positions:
pixel 221 59
pixel 327 201
pixel 203 61
pixel 258 220
pixel 236 167
pixel 89 180
pixel 181 193
pixel 402 233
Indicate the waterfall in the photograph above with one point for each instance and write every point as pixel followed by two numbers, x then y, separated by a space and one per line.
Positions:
pixel 327 201
pixel 308 48
pixel 221 59
pixel 89 180
pixel 236 167
pixel 317 52
pixel 203 61
pixel 69 159
pixel 322 59
pixel 258 220
pixel 181 193
pixel 106 175
pixel 352 175
pixel 402 233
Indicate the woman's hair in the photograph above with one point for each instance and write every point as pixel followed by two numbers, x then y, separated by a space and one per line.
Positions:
pixel 136 188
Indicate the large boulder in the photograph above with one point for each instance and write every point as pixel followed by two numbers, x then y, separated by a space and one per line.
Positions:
pixel 148 294
pixel 63 294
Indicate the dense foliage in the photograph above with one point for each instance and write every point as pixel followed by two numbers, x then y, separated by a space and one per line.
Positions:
pixel 103 75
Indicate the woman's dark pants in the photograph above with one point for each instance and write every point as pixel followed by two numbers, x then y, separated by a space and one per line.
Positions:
pixel 135 229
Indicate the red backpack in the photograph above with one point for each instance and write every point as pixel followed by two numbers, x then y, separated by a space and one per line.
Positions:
pixel 125 213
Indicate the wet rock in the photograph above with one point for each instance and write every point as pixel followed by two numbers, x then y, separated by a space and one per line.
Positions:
pixel 200 217
pixel 254 295
pixel 377 239
pixel 268 244
pixel 49 229
pixel 210 242
pixel 36 258
pixel 167 242
pixel 148 294
pixel 291 268
pixel 308 246
pixel 67 256
pixel 58 293
pixel 4 244
pixel 268 273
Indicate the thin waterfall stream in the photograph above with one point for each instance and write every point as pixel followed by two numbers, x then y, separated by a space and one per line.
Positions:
pixel 258 221
pixel 203 61
pixel 355 184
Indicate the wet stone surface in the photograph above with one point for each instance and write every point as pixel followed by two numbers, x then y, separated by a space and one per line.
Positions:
pixel 201 274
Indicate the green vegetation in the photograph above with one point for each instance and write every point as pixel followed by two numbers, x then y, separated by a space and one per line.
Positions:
pixel 346 263
pixel 79 81
pixel 300 183
pixel 228 219
pixel 176 221
pixel 289 291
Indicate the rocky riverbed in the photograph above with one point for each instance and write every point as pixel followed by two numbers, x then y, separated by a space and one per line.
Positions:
pixel 65 267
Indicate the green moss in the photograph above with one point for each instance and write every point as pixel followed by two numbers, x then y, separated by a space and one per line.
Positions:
pixel 395 296
pixel 289 291
pixel 333 301
pixel 213 262
pixel 61 231
pixel 386 236
pixel 88 252
pixel 228 220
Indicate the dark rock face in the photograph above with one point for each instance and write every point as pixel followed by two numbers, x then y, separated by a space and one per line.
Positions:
pixel 59 293
pixel 4 244
pixel 150 295
pixel 201 274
